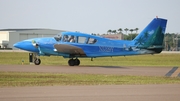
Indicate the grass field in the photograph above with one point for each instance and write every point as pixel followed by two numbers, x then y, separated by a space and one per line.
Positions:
pixel 50 79
pixel 140 60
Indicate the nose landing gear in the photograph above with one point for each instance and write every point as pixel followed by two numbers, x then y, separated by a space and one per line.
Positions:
pixel 37 61
pixel 74 62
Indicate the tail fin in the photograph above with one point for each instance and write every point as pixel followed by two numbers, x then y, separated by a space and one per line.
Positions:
pixel 152 36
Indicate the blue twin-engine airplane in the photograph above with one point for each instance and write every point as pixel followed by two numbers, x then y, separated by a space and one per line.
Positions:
pixel 75 45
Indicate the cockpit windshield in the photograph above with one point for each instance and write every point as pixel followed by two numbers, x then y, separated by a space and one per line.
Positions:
pixel 57 37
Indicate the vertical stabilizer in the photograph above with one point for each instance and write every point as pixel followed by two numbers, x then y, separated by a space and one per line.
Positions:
pixel 152 36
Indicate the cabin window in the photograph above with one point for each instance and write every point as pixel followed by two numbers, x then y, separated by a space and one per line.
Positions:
pixel 81 39
pixel 69 38
pixel 65 38
pixel 92 41
pixel 72 39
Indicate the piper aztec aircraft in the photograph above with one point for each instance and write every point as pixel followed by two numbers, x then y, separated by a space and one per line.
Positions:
pixel 74 45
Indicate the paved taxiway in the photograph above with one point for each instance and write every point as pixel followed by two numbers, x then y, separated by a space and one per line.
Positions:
pixel 93 93
pixel 165 92
pixel 117 70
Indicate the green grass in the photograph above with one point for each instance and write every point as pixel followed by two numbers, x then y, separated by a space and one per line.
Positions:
pixel 15 58
pixel 15 79
pixel 50 79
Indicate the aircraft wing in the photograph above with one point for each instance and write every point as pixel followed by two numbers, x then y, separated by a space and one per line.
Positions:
pixel 69 49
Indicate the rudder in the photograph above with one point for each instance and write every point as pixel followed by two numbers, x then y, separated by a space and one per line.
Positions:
pixel 152 36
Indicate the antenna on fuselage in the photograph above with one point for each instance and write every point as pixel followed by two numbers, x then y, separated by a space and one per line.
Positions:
pixel 156 17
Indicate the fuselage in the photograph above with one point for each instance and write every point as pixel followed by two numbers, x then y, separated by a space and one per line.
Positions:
pixel 101 48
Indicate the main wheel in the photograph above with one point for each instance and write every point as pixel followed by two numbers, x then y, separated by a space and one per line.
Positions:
pixel 71 62
pixel 77 62
pixel 37 61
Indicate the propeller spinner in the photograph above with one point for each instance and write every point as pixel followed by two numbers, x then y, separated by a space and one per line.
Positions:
pixel 34 43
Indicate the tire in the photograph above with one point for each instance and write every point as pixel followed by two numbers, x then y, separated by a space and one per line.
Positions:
pixel 77 62
pixel 71 62
pixel 37 61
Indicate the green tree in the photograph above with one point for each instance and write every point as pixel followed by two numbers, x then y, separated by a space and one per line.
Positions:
pixel 131 30
pixel 120 30
pixel 170 42
pixel 114 31
pixel 109 31
pixel 136 29
pixel 126 29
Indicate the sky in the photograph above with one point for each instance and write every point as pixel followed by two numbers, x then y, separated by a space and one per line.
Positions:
pixel 88 16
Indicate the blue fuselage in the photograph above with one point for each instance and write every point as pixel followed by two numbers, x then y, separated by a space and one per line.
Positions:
pixel 103 47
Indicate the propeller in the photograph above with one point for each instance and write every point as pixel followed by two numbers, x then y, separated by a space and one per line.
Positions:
pixel 34 43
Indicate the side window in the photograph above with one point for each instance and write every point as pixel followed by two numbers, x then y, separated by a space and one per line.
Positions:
pixel 69 38
pixel 81 39
pixel 72 39
pixel 65 38
pixel 92 41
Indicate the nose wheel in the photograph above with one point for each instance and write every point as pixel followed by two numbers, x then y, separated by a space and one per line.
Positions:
pixel 74 62
pixel 37 61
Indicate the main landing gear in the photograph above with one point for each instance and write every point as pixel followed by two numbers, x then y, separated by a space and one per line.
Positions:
pixel 74 62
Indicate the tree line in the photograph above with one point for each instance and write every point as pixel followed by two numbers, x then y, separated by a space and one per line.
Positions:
pixel 171 40
pixel 120 30
pixel 126 36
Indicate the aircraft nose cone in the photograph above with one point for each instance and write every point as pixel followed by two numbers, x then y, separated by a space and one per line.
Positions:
pixel 17 45
pixel 26 45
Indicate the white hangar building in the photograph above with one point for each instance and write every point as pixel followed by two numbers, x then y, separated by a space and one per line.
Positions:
pixel 10 36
